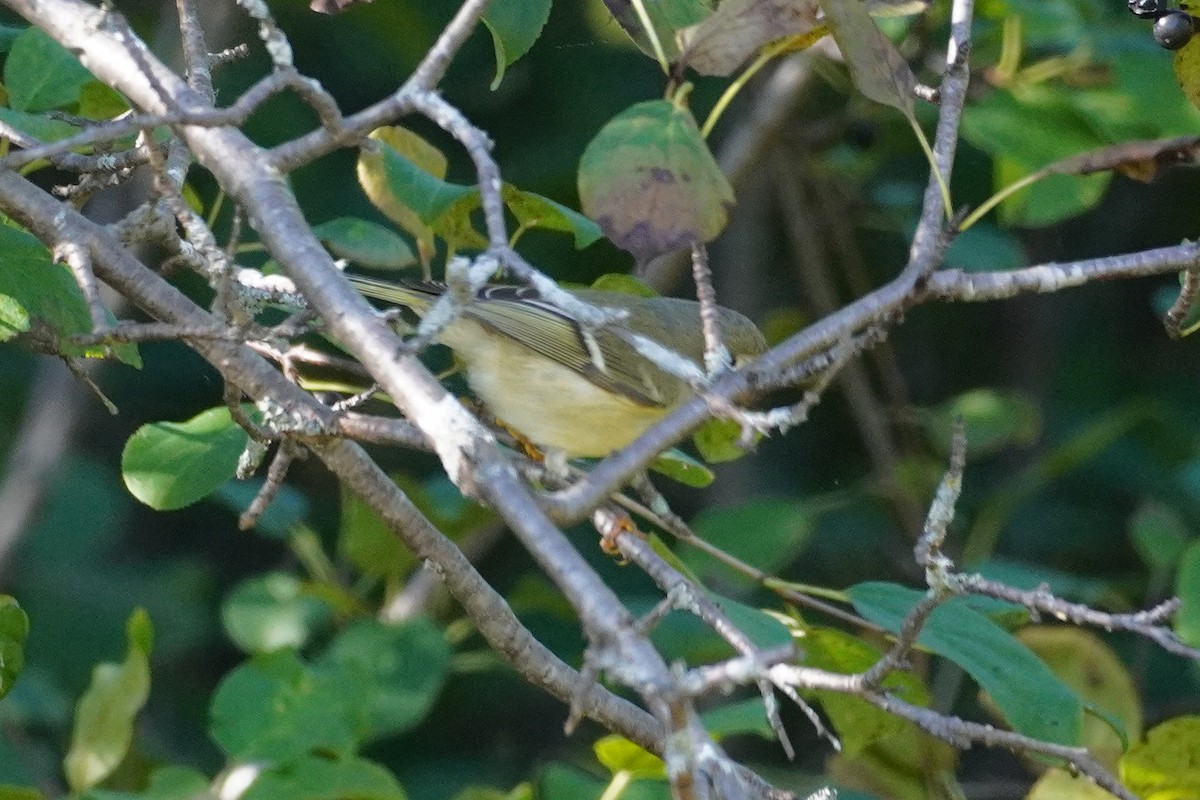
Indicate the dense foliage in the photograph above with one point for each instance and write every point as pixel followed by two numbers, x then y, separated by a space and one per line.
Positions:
pixel 150 648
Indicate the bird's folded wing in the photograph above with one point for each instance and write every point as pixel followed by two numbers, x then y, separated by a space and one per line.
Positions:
pixel 601 357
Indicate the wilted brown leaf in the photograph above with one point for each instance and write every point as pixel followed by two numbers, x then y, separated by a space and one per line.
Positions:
pixel 738 29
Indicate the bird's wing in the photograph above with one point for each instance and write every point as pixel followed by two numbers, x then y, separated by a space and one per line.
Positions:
pixel 600 356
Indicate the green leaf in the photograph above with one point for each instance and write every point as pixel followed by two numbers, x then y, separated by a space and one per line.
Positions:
pixel 1165 766
pixel 1032 699
pixel 1059 784
pixel 626 284
pixel 515 25
pixel 100 101
pixel 618 754
pixel 39 126
pixel 313 778
pixel 166 783
pixel 169 465
pixel 373 178
pixel 668 18
pixel 650 182
pixel 682 468
pixel 876 66
pixel 33 287
pixel 763 629
pixel 983 247
pixel 104 718
pixel 993 420
pixel 14 630
pixel 1036 126
pixel 857 723
pixel 1187 589
pixel 272 611
pixel 367 542
pixel 401 667
pixel 41 74
pixel 10 792
pixel 455 225
pixel 1052 199
pixel 718 441
pixel 1159 534
pixel 394 182
pixel 1084 662
pixel 742 717
pixel 534 211
pixel 365 243
pixel 283 516
pixel 277 708
pixel 768 533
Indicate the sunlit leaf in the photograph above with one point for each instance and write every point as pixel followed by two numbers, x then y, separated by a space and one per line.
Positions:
pixel 857 723
pixel 534 211
pixel 170 465
pixel 391 196
pixel 98 100
pixel 272 611
pixel 1167 764
pixel 719 440
pixel 626 284
pixel 618 754
pixel 1187 589
pixel 1058 784
pixel 650 182
pixel 104 718
pixel 1187 69
pixel 14 629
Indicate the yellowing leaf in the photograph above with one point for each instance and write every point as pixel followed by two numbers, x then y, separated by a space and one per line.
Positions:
pixel 650 182
pixel 738 28
pixel 1187 69
pixel 373 177
pixel 1090 667
pixel 1167 764
pixel 1058 784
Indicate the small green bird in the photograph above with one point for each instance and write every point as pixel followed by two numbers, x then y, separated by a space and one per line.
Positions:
pixel 586 393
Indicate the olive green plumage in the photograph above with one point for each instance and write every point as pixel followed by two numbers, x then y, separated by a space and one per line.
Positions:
pixel 560 386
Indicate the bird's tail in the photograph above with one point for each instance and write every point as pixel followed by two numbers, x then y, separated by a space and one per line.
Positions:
pixel 415 295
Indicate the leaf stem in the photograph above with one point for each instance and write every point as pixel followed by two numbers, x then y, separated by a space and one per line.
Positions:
pixel 792 43
pixel 1000 196
pixel 644 18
